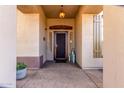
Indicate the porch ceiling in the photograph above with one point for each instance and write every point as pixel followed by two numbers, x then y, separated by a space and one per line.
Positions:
pixel 52 11
pixel 92 9
pixel 28 8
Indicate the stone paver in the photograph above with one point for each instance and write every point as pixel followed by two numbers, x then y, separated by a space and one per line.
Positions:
pixel 61 75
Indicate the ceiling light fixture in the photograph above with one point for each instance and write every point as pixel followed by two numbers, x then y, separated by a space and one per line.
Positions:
pixel 61 14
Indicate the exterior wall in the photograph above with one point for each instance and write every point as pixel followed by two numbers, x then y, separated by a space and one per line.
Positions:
pixel 113 75
pixel 27 34
pixel 31 48
pixel 42 35
pixel 78 39
pixel 28 39
pixel 87 43
pixel 51 22
pixel 8 46
pixel 84 41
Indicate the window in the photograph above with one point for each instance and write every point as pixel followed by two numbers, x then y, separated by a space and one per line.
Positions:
pixel 98 35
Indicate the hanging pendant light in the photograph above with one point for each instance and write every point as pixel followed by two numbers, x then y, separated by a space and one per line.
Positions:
pixel 61 14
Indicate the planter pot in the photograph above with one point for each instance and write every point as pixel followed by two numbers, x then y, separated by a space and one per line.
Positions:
pixel 20 74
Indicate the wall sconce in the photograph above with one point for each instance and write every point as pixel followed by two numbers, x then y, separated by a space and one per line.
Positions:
pixel 44 38
pixel 45 28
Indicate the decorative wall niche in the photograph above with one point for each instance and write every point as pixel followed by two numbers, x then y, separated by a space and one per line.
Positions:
pixel 64 27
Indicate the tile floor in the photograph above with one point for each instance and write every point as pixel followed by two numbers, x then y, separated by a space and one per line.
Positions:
pixel 61 75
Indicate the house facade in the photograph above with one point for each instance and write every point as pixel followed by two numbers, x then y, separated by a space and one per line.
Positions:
pixel 36 37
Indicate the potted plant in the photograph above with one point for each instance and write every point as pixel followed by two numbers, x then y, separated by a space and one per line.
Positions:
pixel 21 70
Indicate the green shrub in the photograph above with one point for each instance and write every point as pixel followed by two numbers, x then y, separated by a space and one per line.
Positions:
pixel 20 66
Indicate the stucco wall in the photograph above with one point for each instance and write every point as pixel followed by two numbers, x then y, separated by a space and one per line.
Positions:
pixel 8 46
pixel 51 22
pixel 42 34
pixel 84 41
pixel 113 75
pixel 31 38
pixel 87 43
pixel 27 34
pixel 78 38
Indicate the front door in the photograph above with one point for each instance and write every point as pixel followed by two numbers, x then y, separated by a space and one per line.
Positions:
pixel 60 46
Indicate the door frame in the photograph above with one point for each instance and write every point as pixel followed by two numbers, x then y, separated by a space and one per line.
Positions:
pixel 66 44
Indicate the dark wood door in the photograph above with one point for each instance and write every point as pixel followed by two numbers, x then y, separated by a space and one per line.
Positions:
pixel 60 46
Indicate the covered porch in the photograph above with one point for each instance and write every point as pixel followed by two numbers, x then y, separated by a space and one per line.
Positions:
pixel 43 36
pixel 45 42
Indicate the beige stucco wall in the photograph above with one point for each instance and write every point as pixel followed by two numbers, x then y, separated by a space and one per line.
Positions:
pixel 87 44
pixel 113 75
pixel 27 34
pixel 8 46
pixel 51 22
pixel 78 38
pixel 30 33
pixel 42 34
pixel 84 41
